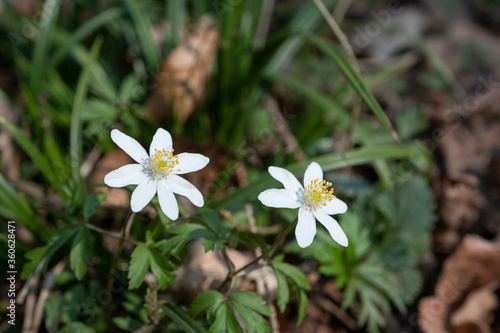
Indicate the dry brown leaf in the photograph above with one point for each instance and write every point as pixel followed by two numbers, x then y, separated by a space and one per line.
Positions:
pixel 460 205
pixel 477 307
pixel 185 72
pixel 475 263
pixel 469 146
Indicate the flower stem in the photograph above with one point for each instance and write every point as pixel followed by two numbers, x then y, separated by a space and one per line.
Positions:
pixel 279 240
pixel 110 233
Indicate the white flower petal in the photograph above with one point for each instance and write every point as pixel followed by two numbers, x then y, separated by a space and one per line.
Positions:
pixel 181 186
pixel 306 228
pixel 129 145
pixel 168 203
pixel 130 174
pixel 287 179
pixel 189 162
pixel 279 199
pixel 143 194
pixel 333 227
pixel 313 172
pixel 161 140
pixel 336 206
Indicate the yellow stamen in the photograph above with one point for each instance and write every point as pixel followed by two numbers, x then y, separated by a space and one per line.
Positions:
pixel 317 194
pixel 162 162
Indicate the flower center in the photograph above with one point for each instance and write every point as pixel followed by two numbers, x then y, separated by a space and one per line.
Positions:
pixel 317 194
pixel 162 162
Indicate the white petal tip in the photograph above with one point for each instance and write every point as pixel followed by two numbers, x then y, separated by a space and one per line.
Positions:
pixel 344 243
pixel 172 217
pixel 272 168
pixel 198 203
pixel 205 161
pixel 114 133
pixel 304 245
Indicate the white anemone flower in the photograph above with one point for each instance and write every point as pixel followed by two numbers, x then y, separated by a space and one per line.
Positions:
pixel 316 201
pixel 157 172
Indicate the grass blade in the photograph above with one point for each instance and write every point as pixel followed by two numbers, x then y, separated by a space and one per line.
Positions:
pixel 354 79
pixel 20 210
pixel 35 154
pixel 42 44
pixel 143 29
pixel 176 15
pixel 182 319
pixel 91 25
pixel 307 19
pixel 76 120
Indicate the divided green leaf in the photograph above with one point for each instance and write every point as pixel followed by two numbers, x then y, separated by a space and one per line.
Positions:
pixel 91 204
pixel 139 264
pixel 161 268
pixel 225 321
pixel 204 300
pixel 81 252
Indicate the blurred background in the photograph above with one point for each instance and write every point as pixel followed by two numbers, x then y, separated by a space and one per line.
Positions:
pixel 397 100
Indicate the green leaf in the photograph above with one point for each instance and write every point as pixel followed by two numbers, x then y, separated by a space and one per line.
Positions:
pixel 212 219
pixel 354 79
pixel 411 284
pixel 53 306
pixel 251 301
pixel 161 268
pixel 204 300
pixel 254 322
pixel 34 256
pixel 283 292
pixel 246 303
pixel 377 279
pixel 225 321
pixel 182 319
pixel 303 302
pixel 292 273
pixel 409 206
pixel 127 323
pixel 76 326
pixel 191 231
pixel 91 204
pixel 173 245
pixel 411 122
pixel 59 237
pixel 80 252
pixel 139 264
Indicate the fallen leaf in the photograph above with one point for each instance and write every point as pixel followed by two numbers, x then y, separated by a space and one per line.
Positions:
pixel 185 72
pixel 461 205
pixel 475 264
pixel 477 307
